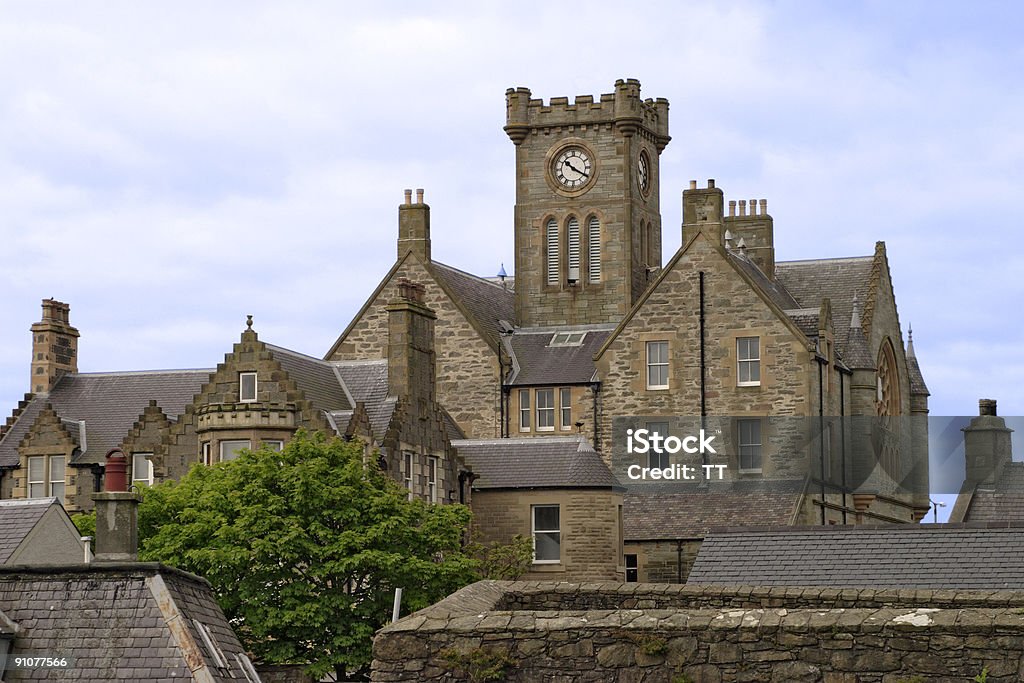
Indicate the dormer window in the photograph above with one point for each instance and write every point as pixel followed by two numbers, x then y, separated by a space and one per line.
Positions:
pixel 247 387
pixel 567 339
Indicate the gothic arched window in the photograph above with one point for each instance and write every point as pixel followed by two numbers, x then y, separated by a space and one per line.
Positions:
pixel 552 251
pixel 594 249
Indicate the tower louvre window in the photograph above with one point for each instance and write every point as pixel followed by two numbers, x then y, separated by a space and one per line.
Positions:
pixel 594 249
pixel 573 230
pixel 552 245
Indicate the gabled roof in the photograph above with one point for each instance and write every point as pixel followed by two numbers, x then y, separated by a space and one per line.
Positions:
pixel 998 502
pixel 543 462
pixel 891 556
pixel 317 379
pixel 673 514
pixel 537 362
pixel 109 403
pixel 483 302
pixel 17 519
pixel 839 279
pixel 144 622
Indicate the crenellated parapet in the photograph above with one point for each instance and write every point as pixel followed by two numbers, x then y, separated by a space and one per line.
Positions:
pixel 623 109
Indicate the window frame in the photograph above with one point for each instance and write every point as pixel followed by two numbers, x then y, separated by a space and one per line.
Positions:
pixel 276 445
pixel 221 444
pixel 432 462
pixel 407 462
pixel 547 411
pixel 148 480
pixel 659 460
pixel 650 364
pixel 556 532
pixel 759 445
pixel 45 484
pixel 752 364
pixel 525 411
pixel 565 408
pixel 242 376
pixel 42 476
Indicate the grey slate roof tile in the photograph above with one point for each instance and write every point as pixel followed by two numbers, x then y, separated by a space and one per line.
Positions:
pixel 894 556
pixel 542 462
pixel 317 378
pixel 484 301
pixel 1002 502
pixel 542 364
pixel 17 519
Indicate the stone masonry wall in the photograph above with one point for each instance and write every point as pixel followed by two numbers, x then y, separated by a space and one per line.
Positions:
pixel 705 634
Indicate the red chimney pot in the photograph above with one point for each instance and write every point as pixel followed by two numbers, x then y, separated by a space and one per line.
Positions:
pixel 116 478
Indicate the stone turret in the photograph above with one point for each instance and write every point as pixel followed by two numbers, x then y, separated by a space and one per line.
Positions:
pixel 54 347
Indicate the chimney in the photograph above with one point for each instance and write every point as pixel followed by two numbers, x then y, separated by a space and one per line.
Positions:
pixel 117 514
pixel 702 210
pixel 411 345
pixel 987 444
pixel 54 347
pixel 414 227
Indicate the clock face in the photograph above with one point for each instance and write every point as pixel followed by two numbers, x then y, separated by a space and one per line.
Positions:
pixel 643 172
pixel 572 168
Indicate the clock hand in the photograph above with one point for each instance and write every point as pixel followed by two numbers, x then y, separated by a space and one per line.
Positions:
pixel 582 173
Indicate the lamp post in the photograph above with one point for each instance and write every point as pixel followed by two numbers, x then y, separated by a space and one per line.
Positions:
pixel 935 509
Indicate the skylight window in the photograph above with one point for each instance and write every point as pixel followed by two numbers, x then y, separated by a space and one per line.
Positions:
pixel 567 339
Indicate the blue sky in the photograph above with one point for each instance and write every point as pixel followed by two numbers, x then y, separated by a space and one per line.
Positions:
pixel 168 170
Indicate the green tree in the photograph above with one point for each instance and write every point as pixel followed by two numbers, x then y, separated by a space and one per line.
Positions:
pixel 305 547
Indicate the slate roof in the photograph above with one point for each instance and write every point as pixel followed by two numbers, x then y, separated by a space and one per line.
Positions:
pixel 775 290
pixel 484 302
pixel 893 556
pixel 317 378
pixel 109 402
pixel 538 363
pixel 657 514
pixel 839 279
pixel 17 519
pixel 112 621
pixel 543 462
pixel 1003 501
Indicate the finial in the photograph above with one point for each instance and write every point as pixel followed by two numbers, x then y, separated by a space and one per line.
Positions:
pixel 910 342
pixel 742 246
pixel 248 321
pixel 855 316
pixel 728 237
pixel 501 272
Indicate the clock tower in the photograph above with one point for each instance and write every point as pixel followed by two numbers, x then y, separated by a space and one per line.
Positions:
pixel 587 214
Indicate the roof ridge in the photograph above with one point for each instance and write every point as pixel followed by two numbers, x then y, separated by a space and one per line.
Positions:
pixel 520 440
pixel 357 363
pixel 120 373
pixel 275 347
pixel 28 501
pixel 468 274
pixel 823 260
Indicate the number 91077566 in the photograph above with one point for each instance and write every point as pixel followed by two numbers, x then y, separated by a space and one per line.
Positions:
pixel 21 661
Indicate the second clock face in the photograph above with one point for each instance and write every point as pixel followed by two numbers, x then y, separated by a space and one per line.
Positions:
pixel 643 172
pixel 573 168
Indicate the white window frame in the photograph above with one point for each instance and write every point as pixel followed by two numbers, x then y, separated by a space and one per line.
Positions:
pixel 44 483
pixel 556 532
pixel 748 365
pixel 407 473
pixel 524 410
pixel 38 480
pixel 148 479
pixel 545 413
pixel 655 361
pixel 432 478
pixel 755 446
pixel 565 408
pixel 207 453
pixel 221 448
pixel 62 481
pixel 242 396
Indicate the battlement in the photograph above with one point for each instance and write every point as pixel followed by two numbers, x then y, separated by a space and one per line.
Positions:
pixel 623 108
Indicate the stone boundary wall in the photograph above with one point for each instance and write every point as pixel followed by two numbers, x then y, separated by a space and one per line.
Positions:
pixel 535 631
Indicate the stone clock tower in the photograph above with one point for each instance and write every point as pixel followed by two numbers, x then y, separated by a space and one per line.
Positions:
pixel 587 215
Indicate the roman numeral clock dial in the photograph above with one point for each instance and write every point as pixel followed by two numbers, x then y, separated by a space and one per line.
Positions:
pixel 573 168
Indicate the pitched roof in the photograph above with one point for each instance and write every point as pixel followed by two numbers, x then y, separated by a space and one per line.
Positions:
pixel 317 378
pixel 482 301
pixel 126 610
pixel 17 519
pixel 1002 501
pixel 839 279
pixel 891 556
pixel 541 462
pixel 109 403
pixel 657 514
pixel 538 362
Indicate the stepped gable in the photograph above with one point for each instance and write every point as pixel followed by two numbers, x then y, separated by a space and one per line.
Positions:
pixel 553 462
pixel 109 403
pixel 691 514
pixel 483 302
pixel 538 360
pixel 937 556
pixel 839 279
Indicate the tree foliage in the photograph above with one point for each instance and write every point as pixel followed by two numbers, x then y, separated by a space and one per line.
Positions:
pixel 304 548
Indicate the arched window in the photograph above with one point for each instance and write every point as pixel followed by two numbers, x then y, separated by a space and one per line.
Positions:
pixel 887 399
pixel 552 244
pixel 594 249
pixel 573 235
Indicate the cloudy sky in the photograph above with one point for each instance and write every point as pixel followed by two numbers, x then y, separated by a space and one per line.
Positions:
pixel 169 168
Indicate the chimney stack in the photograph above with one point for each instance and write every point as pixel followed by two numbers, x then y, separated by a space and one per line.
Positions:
pixel 54 347
pixel 117 514
pixel 987 444
pixel 414 227
pixel 411 345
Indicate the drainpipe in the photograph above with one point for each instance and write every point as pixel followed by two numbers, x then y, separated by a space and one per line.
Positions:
pixel 595 388
pixel 703 373
pixel 842 437
pixel 821 430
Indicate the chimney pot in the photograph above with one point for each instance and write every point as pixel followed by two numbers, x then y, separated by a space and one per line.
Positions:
pixel 732 207
pixel 987 406
pixel 764 207
pixel 408 197
pixel 743 207
pixel 693 184
pixel 419 196
pixel 116 472
pixel 753 207
pixel 711 183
